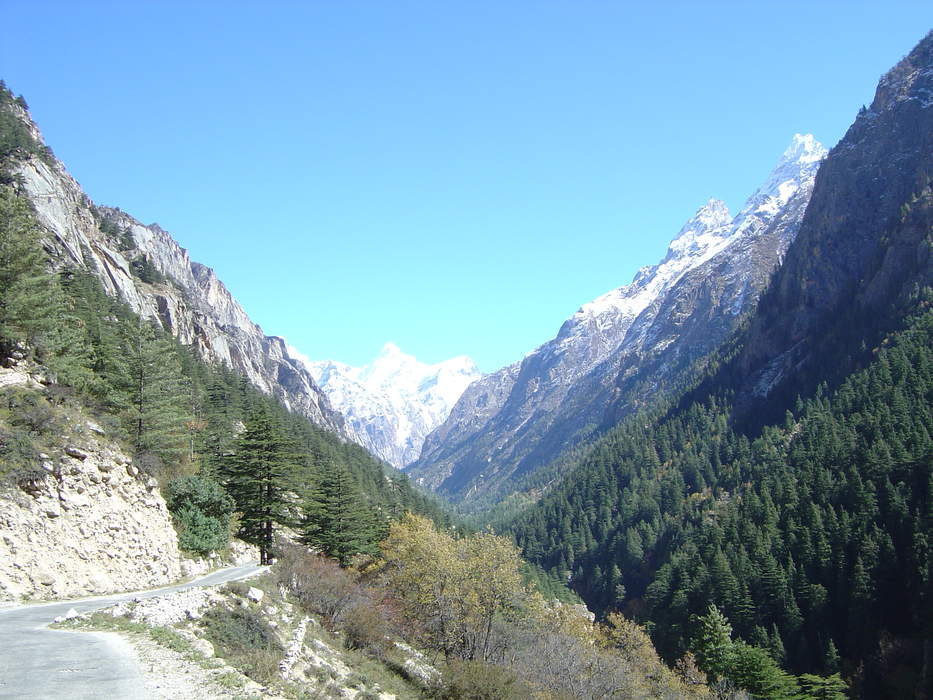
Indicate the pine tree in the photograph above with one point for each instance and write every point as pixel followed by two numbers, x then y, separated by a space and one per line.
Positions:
pixel 156 412
pixel 754 670
pixel 823 688
pixel 26 309
pixel 712 643
pixel 216 438
pixel 256 477
pixel 335 519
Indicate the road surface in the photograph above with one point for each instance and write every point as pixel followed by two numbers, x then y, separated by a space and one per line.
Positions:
pixel 36 662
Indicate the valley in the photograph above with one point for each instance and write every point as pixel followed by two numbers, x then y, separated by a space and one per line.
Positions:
pixel 715 481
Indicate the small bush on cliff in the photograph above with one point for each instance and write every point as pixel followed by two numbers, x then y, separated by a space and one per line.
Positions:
pixel 15 138
pixel 474 680
pixel 143 268
pixel 202 510
pixel 18 455
pixel 246 639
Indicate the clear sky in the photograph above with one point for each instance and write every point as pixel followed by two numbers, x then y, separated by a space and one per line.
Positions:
pixel 456 177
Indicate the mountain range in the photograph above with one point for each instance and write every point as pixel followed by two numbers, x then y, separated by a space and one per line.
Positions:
pixel 620 351
pixel 787 486
pixel 735 449
pixel 393 402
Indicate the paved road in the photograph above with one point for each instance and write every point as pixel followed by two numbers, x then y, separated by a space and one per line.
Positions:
pixel 36 662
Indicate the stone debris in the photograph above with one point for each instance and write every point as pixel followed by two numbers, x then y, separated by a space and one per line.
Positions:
pixel 417 665
pixel 254 594
pixel 295 647
pixel 70 615
pixel 190 604
pixel 85 527
pixel 75 452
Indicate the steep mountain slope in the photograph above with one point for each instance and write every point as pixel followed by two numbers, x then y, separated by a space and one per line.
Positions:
pixel 148 270
pixel 864 250
pixel 395 401
pixel 624 347
pixel 810 533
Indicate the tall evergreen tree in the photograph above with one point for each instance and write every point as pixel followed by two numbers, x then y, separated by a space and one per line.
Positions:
pixel 335 519
pixel 26 309
pixel 713 643
pixel 256 477
pixel 157 410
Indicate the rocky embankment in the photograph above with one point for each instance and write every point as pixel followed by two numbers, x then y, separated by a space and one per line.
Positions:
pixel 91 524
pixel 298 658
pixel 87 522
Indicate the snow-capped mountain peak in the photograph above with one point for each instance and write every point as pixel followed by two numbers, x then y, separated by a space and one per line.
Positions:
pixel 703 235
pixel 804 148
pixel 627 344
pixel 799 162
pixel 394 401
pixel 706 228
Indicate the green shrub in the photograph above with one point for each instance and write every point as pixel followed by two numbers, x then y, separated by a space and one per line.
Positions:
pixel 19 458
pixel 202 493
pixel 246 640
pixel 202 510
pixel 15 137
pixel 238 588
pixel 126 240
pixel 143 268
pixel 365 627
pixel 199 533
pixel 475 680
pixel 238 631
pixel 30 410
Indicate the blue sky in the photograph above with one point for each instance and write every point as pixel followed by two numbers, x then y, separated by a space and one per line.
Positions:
pixel 456 177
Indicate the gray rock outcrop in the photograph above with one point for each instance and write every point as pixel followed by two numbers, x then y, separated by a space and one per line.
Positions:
pixel 185 297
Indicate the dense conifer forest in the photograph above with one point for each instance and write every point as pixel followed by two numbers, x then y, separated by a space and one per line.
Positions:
pixel 812 539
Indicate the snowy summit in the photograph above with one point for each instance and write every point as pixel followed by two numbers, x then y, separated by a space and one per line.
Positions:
pixel 394 401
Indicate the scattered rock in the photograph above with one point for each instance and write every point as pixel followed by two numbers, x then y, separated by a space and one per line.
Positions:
pixel 203 647
pixel 76 453
pixel 44 576
pixel 95 428
pixel 254 594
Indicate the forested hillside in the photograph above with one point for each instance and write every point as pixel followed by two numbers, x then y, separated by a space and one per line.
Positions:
pixel 813 539
pixel 192 425
pixel 792 487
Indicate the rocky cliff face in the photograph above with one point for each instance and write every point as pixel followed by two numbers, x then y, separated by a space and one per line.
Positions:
pixel 624 348
pixel 148 270
pixel 862 254
pixel 393 402
pixel 90 523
